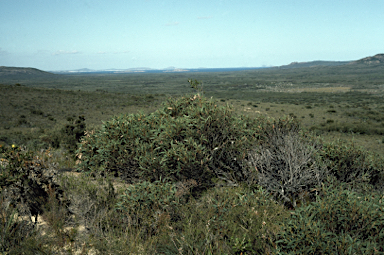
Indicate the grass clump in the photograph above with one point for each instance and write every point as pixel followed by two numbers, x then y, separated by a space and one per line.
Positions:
pixel 225 220
pixel 18 236
pixel 149 206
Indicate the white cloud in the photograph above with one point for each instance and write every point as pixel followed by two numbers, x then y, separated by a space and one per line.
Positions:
pixel 172 24
pixel 65 52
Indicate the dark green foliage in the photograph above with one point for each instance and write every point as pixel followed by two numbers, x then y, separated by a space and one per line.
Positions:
pixel 22 193
pixel 37 112
pixel 341 222
pixel 72 133
pixel 14 164
pixel 187 138
pixel 27 180
pixel 351 164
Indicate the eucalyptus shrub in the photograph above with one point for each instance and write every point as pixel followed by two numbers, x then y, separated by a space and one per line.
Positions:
pixel 187 138
pixel 340 222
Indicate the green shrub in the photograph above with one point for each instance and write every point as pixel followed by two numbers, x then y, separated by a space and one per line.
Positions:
pixel 13 163
pixel 72 133
pixel 351 164
pixel 187 138
pixel 341 222
pixel 21 194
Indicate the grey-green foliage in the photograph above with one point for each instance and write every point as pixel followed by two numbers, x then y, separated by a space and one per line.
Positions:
pixel 340 222
pixel 187 138
pixel 286 162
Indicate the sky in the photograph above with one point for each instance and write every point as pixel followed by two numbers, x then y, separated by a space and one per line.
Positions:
pixel 54 35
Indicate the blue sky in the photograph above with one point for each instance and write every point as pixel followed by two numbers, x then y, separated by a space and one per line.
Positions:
pixel 100 34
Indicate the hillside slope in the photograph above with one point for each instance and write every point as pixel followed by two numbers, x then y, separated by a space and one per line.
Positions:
pixel 21 72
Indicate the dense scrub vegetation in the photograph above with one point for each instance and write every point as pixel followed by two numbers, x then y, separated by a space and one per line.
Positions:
pixel 190 137
pixel 192 177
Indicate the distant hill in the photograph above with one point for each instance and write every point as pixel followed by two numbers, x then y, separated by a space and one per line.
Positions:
pixel 21 72
pixel 316 63
pixel 12 74
pixel 374 60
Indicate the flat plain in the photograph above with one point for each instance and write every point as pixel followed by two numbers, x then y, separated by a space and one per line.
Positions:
pixel 344 101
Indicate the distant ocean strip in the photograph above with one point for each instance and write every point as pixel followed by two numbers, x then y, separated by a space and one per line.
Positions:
pixel 183 70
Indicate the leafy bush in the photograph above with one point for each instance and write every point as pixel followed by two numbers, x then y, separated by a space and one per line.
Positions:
pixel 72 133
pixel 188 138
pixel 341 222
pixel 286 162
pixel 22 195
pixel 26 183
pixel 351 164
pixel 12 165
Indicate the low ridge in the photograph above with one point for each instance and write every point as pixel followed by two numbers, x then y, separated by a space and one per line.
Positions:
pixel 377 59
pixel 18 72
